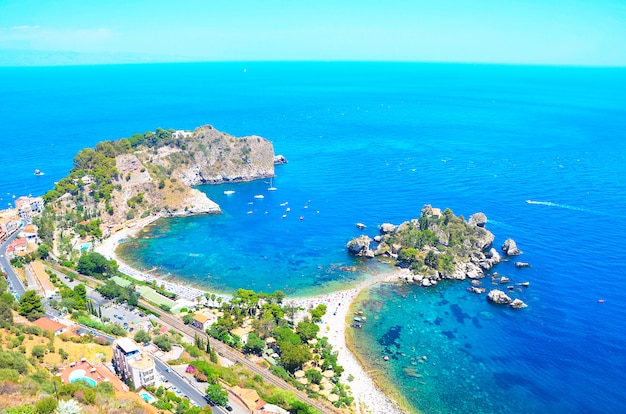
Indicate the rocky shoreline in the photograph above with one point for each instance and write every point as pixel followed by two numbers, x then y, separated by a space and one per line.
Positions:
pixel 440 246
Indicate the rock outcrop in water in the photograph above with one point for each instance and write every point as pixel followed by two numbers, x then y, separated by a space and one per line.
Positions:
pixel 478 219
pixel 509 247
pixel 498 297
pixel 360 246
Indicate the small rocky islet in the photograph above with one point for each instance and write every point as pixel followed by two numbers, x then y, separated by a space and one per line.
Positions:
pixel 439 245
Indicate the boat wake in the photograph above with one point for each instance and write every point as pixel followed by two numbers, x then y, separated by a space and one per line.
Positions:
pixel 551 204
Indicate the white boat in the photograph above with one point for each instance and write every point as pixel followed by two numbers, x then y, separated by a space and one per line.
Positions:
pixel 288 210
pixel 229 192
pixel 38 172
pixel 259 196
pixel 272 188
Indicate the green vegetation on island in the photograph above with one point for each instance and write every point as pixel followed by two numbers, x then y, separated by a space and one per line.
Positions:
pixel 438 245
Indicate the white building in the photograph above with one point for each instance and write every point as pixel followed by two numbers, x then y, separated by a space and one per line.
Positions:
pixel 134 365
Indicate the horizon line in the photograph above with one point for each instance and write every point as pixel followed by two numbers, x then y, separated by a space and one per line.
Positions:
pixel 329 61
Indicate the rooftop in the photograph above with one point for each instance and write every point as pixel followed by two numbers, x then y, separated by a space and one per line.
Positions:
pixel 201 317
pixel 127 345
pixel 143 363
pixel 48 324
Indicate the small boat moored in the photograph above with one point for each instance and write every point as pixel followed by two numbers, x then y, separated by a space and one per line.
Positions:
pixel 39 172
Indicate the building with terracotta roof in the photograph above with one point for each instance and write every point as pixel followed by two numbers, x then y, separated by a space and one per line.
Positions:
pixel 47 324
pixel 29 232
pixel 16 247
pixel 203 321
pixel 249 398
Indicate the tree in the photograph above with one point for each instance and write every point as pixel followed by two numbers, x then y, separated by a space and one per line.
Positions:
pixel 46 405
pixel 307 330
pixel 279 296
pixel 318 312
pixel 38 351
pixel 81 291
pixel 293 356
pixel 163 342
pixel 43 251
pixel 95 264
pixel 142 336
pixel 217 394
pixel 313 375
pixel 187 319
pixel 110 290
pixel 30 306
pixel 431 260
pixel 254 345
pixel 6 315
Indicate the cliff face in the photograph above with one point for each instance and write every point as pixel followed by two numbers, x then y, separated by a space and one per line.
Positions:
pixel 131 178
pixel 161 178
pixel 218 157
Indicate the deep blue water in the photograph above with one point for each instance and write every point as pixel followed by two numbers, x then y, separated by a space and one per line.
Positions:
pixel 374 142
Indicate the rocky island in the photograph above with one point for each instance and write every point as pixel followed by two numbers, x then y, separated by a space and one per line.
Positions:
pixel 439 245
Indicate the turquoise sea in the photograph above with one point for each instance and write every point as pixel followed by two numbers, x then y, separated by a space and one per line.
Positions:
pixel 371 143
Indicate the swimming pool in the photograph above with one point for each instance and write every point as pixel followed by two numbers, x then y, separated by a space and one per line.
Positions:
pixel 79 375
pixel 149 398
pixel 90 381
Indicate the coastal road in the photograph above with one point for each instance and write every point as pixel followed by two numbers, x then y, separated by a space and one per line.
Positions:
pixel 237 357
pixel 12 278
pixel 180 383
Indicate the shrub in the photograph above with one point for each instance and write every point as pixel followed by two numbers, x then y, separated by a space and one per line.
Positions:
pixel 38 351
pixel 46 405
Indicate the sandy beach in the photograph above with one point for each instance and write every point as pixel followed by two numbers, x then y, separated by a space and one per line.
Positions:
pixel 368 397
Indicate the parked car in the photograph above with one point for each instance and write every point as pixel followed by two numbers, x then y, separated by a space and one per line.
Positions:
pixel 228 407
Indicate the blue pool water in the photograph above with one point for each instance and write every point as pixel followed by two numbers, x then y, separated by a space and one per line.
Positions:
pixel 88 380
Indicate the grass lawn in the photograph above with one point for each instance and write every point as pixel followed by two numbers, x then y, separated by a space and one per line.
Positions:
pixel 151 295
pixel 121 282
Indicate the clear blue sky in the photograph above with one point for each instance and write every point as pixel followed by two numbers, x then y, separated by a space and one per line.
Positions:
pixel 589 32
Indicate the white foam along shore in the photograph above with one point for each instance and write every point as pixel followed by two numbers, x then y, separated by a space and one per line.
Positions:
pixel 368 397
